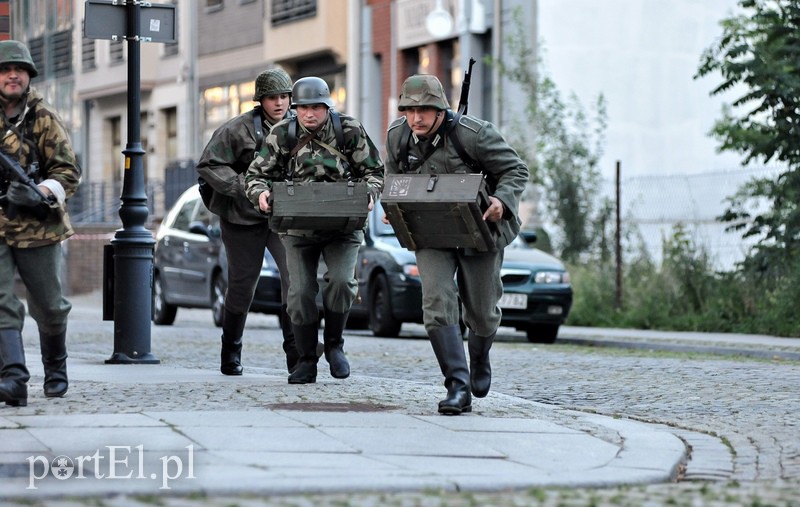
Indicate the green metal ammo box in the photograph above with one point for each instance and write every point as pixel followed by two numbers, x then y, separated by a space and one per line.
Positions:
pixel 439 211
pixel 323 205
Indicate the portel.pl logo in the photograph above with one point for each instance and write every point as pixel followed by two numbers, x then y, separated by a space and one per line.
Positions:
pixel 120 462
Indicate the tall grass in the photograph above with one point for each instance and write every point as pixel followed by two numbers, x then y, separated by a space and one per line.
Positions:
pixel 684 293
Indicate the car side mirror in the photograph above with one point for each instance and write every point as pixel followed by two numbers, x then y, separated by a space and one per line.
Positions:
pixel 199 228
pixel 528 236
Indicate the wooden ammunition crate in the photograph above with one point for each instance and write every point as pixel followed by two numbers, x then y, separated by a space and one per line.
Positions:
pixel 340 206
pixel 439 211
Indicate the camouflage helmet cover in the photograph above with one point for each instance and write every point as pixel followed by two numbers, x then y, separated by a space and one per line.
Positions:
pixel 13 51
pixel 311 90
pixel 422 90
pixel 272 82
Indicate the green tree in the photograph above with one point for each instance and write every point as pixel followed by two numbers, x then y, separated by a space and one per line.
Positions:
pixel 759 51
pixel 562 146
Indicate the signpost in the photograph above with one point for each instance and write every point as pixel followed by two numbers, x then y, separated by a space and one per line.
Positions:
pixel 132 259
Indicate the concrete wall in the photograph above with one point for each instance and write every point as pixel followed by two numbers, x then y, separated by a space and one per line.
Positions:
pixel 642 56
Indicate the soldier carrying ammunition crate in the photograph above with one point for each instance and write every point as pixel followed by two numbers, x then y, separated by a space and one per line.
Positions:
pixel 431 139
pixel 320 145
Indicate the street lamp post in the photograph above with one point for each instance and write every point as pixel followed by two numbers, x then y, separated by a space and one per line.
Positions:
pixel 132 258
pixel 133 244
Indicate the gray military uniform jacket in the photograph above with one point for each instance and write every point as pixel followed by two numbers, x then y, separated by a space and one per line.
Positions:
pixel 506 174
pixel 224 163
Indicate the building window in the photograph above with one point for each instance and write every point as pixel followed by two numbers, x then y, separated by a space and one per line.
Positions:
pixel 88 54
pixel 170 116
pixel 61 53
pixel 36 47
pixel 116 51
pixel 221 103
pixel 285 11
pixel 214 5
pixel 115 147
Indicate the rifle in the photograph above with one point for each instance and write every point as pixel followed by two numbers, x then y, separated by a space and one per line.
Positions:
pixel 463 101
pixel 12 171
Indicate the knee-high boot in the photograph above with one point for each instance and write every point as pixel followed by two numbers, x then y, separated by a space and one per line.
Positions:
pixel 305 337
pixel 289 346
pixel 231 355
pixel 13 373
pixel 54 359
pixel 448 346
pixel 480 371
pixel 334 343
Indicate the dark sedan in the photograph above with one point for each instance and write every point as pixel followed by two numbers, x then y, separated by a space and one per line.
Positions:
pixel 190 268
pixel 537 293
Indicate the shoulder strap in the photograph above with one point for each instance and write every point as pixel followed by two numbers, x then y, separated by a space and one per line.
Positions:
pixel 337 130
pixel 462 153
pixel 405 138
pixel 258 128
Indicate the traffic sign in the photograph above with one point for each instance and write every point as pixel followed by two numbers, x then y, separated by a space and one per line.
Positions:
pixel 108 19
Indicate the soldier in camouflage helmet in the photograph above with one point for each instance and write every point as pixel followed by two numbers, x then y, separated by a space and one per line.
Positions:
pixel 423 141
pixel 32 227
pixel 422 90
pixel 272 82
pixel 306 149
pixel 245 231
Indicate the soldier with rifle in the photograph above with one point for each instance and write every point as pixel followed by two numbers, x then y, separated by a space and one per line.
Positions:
pixel 39 172
pixel 432 139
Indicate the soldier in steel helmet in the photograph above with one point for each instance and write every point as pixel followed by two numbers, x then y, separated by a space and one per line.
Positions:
pixel 33 223
pixel 317 156
pixel 245 231
pixel 425 134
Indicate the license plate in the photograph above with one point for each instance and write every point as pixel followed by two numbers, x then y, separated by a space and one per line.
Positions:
pixel 513 301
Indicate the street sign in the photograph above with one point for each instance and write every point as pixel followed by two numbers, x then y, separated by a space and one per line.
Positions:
pixel 108 19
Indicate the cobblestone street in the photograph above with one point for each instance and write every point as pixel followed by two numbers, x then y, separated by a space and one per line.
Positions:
pixel 748 407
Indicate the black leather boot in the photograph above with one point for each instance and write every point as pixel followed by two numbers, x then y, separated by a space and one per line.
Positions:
pixel 480 371
pixel 54 359
pixel 231 355
pixel 306 339
pixel 334 343
pixel 448 346
pixel 289 346
pixel 14 374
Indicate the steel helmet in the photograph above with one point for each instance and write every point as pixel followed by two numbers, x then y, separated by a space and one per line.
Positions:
pixel 422 90
pixel 13 51
pixel 311 90
pixel 273 81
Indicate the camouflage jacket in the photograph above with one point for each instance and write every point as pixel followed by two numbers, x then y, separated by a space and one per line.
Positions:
pixel 314 162
pixel 42 127
pixel 224 163
pixel 505 172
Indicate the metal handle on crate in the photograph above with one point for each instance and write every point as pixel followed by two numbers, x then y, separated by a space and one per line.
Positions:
pixel 432 182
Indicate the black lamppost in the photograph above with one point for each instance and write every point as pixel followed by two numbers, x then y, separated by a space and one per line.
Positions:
pixel 132 257
pixel 133 244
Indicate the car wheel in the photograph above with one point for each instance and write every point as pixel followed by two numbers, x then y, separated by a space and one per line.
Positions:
pixel 381 321
pixel 542 333
pixel 163 312
pixel 218 300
